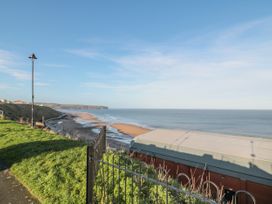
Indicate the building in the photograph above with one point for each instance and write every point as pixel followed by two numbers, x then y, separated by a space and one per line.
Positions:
pixel 234 162
pixel 4 101
pixel 19 102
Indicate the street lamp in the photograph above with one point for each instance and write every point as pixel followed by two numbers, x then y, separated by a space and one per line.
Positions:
pixel 32 57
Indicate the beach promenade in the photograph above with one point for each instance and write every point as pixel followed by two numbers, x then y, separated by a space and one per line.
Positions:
pixel 238 149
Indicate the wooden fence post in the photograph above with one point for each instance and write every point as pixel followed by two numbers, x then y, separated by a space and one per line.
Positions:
pixel 90 174
pixel 2 116
pixel 104 138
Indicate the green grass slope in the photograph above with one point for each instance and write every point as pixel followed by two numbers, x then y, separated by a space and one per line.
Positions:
pixel 52 167
pixel 16 111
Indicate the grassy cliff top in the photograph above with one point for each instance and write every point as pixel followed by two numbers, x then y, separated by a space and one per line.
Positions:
pixel 52 167
pixel 17 111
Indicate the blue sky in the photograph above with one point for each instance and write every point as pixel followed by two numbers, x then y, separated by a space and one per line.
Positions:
pixel 139 54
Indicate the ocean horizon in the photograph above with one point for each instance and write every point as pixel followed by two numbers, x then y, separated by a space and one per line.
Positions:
pixel 256 123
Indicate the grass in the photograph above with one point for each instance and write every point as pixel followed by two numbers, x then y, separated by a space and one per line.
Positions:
pixel 52 167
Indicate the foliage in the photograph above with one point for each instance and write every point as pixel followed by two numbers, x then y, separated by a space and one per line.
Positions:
pixel 133 189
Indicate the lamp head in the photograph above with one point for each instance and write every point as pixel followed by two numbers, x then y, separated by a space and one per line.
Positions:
pixel 32 56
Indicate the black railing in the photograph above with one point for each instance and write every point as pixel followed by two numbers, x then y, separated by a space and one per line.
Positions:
pixel 115 177
pixel 94 150
pixel 121 179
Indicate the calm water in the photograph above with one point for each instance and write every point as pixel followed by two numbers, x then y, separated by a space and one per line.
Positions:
pixel 242 122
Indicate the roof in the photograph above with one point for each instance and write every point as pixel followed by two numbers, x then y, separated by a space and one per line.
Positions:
pixel 234 155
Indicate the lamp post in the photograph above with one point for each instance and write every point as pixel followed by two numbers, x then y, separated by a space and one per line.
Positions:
pixel 32 57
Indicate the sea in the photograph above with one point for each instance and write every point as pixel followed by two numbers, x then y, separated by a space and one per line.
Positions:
pixel 255 123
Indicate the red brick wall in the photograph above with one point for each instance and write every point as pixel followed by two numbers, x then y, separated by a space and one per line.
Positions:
pixel 262 193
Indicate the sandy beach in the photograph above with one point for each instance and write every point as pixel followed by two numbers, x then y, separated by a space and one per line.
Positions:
pixel 129 129
pixel 72 124
pixel 89 118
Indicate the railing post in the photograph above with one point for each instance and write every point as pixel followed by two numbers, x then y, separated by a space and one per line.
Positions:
pixel 90 174
pixel 104 129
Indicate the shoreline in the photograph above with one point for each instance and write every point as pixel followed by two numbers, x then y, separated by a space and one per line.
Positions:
pixel 69 126
pixel 119 132
pixel 89 120
pixel 124 128
pixel 85 126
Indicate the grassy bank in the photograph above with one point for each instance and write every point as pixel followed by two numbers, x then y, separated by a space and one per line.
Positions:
pixel 50 166
pixel 17 111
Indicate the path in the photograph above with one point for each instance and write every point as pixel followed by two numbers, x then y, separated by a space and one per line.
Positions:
pixel 11 191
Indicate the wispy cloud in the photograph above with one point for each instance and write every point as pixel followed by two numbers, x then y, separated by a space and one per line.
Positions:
pixel 235 64
pixel 7 65
pixel 4 86
pixel 243 31
pixel 53 65
pixel 83 52
pixel 42 84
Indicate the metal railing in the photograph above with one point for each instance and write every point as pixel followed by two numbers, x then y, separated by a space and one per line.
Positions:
pixel 94 150
pixel 121 179
pixel 252 198
pixel 115 177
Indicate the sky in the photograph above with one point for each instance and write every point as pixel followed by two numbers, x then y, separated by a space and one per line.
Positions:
pixel 139 54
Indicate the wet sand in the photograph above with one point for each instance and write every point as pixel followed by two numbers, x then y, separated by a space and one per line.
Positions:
pixel 66 125
pixel 69 126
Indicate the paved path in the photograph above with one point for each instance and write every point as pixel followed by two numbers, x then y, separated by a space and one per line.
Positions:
pixel 11 191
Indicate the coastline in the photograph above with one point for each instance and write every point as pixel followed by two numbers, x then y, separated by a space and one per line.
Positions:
pixel 85 126
pixel 124 128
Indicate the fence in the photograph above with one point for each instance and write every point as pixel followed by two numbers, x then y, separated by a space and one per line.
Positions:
pixel 94 150
pixel 2 116
pixel 115 177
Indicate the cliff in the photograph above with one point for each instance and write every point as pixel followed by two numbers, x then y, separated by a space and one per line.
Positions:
pixel 17 111
pixel 72 106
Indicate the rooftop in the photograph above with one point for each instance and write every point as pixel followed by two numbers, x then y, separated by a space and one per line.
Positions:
pixel 221 152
